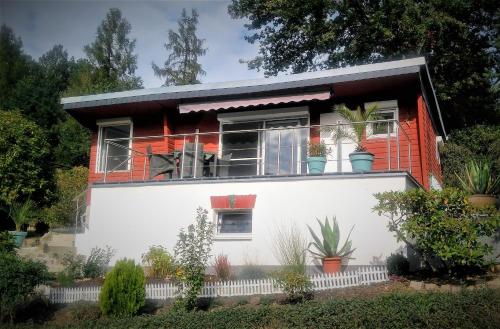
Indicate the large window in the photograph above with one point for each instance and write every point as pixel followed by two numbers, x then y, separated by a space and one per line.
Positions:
pixel 234 222
pixel 270 147
pixel 114 146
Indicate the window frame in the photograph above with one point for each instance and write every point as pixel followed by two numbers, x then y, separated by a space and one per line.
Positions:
pixel 384 107
pixel 232 236
pixel 101 124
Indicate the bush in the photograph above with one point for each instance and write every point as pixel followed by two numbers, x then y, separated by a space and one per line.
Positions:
pixel 397 264
pixel 467 310
pixel 442 224
pixel 159 262
pixel 296 285
pixel 93 266
pixel 84 311
pixel 222 268
pixel 7 242
pixel 192 252
pixel 18 279
pixel 123 292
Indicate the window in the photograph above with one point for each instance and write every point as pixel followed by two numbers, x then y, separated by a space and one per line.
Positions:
pixel 119 150
pixel 234 223
pixel 387 110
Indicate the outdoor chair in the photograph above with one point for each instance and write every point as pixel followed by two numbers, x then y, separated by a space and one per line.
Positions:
pixel 187 160
pixel 160 164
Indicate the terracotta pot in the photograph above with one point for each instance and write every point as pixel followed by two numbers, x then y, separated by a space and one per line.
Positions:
pixel 482 200
pixel 332 265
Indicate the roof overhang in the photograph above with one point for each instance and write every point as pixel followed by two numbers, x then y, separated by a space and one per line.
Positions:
pixel 273 90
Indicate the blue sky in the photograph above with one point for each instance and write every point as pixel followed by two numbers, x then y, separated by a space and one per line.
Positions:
pixel 73 23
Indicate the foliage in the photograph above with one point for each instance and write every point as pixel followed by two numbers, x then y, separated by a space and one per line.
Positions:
pixel 222 268
pixel 111 53
pixel 296 285
pixel 22 213
pixel 329 246
pixel 359 120
pixel 290 246
pixel 93 266
pixel 192 252
pixel 18 278
pixel 69 184
pixel 318 149
pixel 24 169
pixel 479 143
pixel 159 262
pixel 466 310
pixel 84 311
pixel 440 223
pixel 74 144
pixel 181 66
pixel 7 243
pixel 397 264
pixel 123 292
pixel 298 36
pixel 479 179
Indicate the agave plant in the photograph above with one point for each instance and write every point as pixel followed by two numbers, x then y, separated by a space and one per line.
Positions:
pixel 479 178
pixel 21 213
pixel 329 246
pixel 359 120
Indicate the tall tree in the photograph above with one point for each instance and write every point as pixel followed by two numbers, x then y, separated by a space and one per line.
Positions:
pixel 181 66
pixel 111 54
pixel 458 38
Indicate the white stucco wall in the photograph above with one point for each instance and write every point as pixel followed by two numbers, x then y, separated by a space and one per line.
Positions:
pixel 131 218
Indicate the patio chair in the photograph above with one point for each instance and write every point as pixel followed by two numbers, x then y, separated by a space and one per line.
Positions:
pixel 188 161
pixel 160 164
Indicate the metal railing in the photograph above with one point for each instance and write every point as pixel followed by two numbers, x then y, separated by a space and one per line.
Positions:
pixel 249 152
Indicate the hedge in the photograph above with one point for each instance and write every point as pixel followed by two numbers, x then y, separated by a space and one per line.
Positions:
pixel 469 309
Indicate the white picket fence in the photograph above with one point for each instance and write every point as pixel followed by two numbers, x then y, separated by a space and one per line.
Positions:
pixel 161 291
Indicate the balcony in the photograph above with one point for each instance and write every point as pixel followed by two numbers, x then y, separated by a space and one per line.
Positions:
pixel 246 150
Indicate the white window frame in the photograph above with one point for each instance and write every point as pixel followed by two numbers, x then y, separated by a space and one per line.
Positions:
pixel 109 123
pixel 231 236
pixel 290 113
pixel 384 107
pixel 439 142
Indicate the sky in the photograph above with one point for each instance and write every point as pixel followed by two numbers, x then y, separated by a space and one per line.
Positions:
pixel 73 23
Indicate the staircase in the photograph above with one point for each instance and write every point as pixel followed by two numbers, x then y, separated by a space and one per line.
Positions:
pixel 49 249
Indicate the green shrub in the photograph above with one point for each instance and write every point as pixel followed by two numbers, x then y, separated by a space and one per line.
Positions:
pixel 123 292
pixel 159 262
pixel 93 266
pixel 397 264
pixel 7 242
pixel 442 224
pixel 84 311
pixel 18 278
pixel 467 310
pixel 192 252
pixel 295 284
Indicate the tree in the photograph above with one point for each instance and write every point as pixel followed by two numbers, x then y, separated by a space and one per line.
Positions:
pixel 74 144
pixel 24 169
pixel 111 54
pixel 181 66
pixel 458 38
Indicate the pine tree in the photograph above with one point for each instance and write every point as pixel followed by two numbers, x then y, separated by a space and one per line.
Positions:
pixel 111 54
pixel 181 66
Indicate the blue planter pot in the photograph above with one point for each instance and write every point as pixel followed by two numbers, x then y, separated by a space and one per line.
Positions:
pixel 316 165
pixel 18 237
pixel 361 161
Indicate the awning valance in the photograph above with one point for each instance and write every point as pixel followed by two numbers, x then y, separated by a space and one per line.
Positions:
pixel 238 103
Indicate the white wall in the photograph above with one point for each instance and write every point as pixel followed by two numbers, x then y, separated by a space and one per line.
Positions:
pixel 131 218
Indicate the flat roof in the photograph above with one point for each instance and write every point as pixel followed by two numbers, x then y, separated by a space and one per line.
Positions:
pixel 307 79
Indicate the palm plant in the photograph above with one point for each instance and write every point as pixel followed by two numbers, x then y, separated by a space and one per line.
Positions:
pixel 359 120
pixel 328 246
pixel 479 178
pixel 21 213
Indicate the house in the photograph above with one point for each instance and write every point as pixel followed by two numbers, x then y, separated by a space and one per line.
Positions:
pixel 239 150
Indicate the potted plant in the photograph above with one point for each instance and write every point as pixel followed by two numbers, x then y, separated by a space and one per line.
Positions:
pixel 478 181
pixel 21 213
pixel 327 248
pixel 316 160
pixel 361 160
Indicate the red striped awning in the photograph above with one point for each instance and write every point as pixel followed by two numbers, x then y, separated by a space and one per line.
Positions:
pixel 239 103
